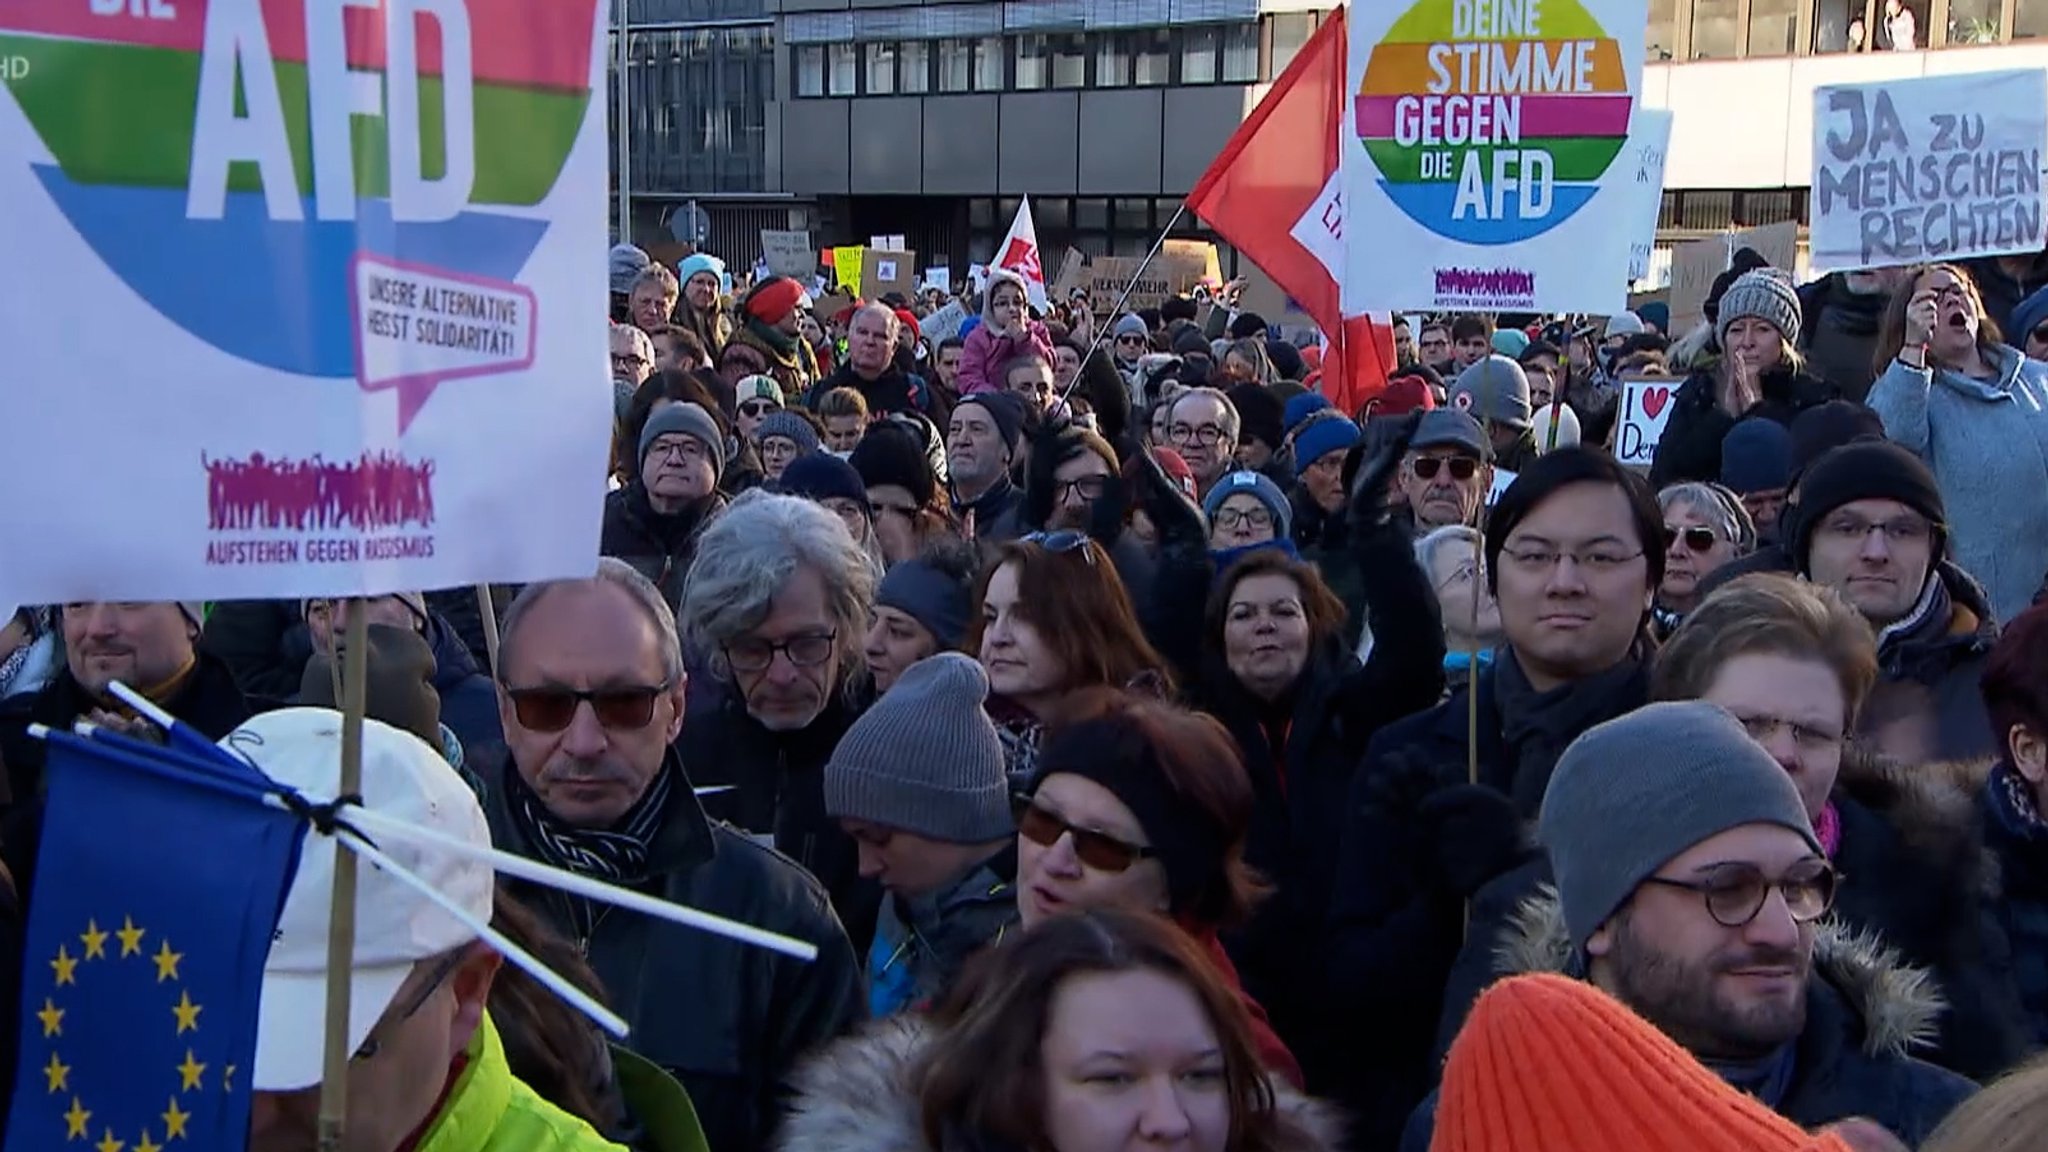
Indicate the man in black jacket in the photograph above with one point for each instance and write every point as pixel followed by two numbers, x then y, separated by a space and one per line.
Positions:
pixel 591 693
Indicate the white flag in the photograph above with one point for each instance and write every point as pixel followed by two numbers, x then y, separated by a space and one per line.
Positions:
pixel 1019 254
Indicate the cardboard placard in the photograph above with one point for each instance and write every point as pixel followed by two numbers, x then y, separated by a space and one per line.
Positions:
pixel 1188 263
pixel 832 304
pixel 1778 243
pixel 1179 268
pixel 1268 299
pixel 945 323
pixel 1693 268
pixel 788 253
pixel 1645 408
pixel 887 243
pixel 1073 272
pixel 883 271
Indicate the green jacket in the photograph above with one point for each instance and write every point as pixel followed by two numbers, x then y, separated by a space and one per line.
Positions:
pixel 489 1110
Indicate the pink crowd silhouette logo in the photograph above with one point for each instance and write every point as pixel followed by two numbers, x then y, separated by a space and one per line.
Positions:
pixel 375 491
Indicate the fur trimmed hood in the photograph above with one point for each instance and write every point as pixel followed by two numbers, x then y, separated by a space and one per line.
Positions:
pixel 1899 1004
pixel 1933 807
pixel 855 1096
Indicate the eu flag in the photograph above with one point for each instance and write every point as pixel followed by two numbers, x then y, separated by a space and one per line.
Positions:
pixel 160 880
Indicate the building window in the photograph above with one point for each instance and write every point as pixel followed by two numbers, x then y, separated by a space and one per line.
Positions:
pixel 1051 212
pixel 1069 60
pixel 1713 29
pixel 1113 60
pixel 1091 215
pixel 1774 27
pixel 1152 58
pixel 1973 21
pixel 843 72
pixel 915 67
pixel 956 65
pixel 1291 30
pixel 990 53
pixel 1662 41
pixel 2029 19
pixel 881 69
pixel 1032 62
pixel 1199 47
pixel 810 70
pixel 1241 54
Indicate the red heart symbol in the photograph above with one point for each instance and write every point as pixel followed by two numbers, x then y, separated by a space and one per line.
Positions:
pixel 1654 400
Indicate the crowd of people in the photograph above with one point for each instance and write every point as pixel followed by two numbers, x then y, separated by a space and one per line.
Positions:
pixel 1157 754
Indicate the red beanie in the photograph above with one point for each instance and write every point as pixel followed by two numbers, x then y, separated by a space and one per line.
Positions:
pixel 1402 395
pixel 908 319
pixel 774 300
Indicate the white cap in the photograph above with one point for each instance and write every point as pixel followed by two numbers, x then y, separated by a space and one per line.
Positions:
pixel 1567 428
pixel 1623 324
pixel 403 779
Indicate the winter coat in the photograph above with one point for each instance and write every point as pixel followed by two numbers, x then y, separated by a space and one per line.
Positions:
pixel 487 1110
pixel 1691 446
pixel 2018 838
pixel 1987 444
pixel 893 391
pixel 795 370
pixel 1838 333
pixel 459 607
pixel 1866 1012
pixel 922 943
pixel 727 1020
pixel 2003 292
pixel 985 353
pixel 1926 705
pixel 263 643
pixel 861 1095
pixel 469 701
pixel 658 547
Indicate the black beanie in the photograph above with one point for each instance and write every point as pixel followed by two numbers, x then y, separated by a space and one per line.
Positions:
pixel 1247 325
pixel 1825 427
pixel 1866 470
pixel 1261 415
pixel 891 455
pixel 1286 358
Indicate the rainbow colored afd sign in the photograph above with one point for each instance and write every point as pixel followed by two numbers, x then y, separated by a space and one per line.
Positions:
pixel 1481 135
pixel 315 254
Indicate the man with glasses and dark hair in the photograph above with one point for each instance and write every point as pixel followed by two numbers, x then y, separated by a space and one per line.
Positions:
pixel 1691 886
pixel 591 692
pixel 1447 472
pixel 1433 347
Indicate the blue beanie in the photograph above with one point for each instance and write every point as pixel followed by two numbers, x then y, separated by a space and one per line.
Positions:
pixel 1253 484
pixel 1301 407
pixel 1324 435
pixel 821 476
pixel 1756 456
pixel 2025 315
pixel 704 262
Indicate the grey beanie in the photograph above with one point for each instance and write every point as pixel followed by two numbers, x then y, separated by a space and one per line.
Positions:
pixel 1630 794
pixel 1765 294
pixel 925 758
pixel 789 426
pixel 919 589
pixel 627 263
pixel 1495 390
pixel 1131 324
pixel 692 421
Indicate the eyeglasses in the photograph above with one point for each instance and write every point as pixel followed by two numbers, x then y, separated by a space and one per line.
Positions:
pixel 1903 530
pixel 1763 729
pixel 1735 893
pixel 629 360
pixel 1459 575
pixel 1696 539
pixel 685 448
pixel 1426 467
pixel 553 709
pixel 1206 435
pixel 1254 517
pixel 754 655
pixel 759 407
pixel 907 511
pixel 439 976
pixel 1090 488
pixel 1534 561
pixel 1098 850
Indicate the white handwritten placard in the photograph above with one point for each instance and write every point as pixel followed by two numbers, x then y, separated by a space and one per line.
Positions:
pixel 1645 409
pixel 1936 168
pixel 1649 140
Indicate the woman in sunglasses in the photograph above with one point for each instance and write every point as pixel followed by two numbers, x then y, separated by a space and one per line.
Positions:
pixel 1144 807
pixel 1705 526
pixel 1795 664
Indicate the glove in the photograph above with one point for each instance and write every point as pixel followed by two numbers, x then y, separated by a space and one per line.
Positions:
pixel 1368 505
pixel 1402 781
pixel 1476 835
pixel 1106 515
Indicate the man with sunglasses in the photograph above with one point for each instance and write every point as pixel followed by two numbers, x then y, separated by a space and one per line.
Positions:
pixel 1447 472
pixel 1690 885
pixel 1130 340
pixel 591 691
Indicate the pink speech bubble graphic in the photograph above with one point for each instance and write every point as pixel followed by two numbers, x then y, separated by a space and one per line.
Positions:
pixel 417 327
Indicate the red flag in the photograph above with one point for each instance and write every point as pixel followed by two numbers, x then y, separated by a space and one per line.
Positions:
pixel 1265 187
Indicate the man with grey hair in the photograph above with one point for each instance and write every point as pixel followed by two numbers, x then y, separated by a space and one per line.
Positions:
pixel 1203 429
pixel 591 693
pixel 870 367
pixel 777 608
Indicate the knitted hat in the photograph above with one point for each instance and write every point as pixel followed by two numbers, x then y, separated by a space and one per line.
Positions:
pixel 773 299
pixel 1324 435
pixel 1254 484
pixel 1301 408
pixel 1003 276
pixel 1404 394
pixel 1004 408
pixel 889 455
pixel 1247 325
pixel 1630 794
pixel 1746 260
pixel 1656 314
pixel 1189 339
pixel 1451 428
pixel 757 387
pixel 1177 470
pixel 1497 391
pixel 1756 456
pixel 1550 1064
pixel 1765 294
pixel 1622 324
pixel 1510 342
pixel 927 594
pixel 1567 433
pixel 1869 470
pixel 789 426
pixel 627 263
pixel 2026 315
pixel 1828 426
pixel 1259 414
pixel 925 758
pixel 413 600
pixel 704 262
pixel 822 476
pixel 1287 362
pixel 398 685
pixel 1131 324
pixel 692 421
pixel 908 319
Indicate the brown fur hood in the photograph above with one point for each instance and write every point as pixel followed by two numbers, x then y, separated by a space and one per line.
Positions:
pixel 1934 808
pixel 1898 1003
pixel 855 1096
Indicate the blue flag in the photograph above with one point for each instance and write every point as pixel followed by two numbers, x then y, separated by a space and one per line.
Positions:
pixel 159 883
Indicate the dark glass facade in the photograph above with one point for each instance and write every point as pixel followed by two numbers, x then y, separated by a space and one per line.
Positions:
pixel 697 101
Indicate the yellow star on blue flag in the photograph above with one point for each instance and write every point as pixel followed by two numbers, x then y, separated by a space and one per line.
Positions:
pixel 146 844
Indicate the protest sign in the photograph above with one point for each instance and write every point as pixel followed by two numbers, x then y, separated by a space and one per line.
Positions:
pixel 887 243
pixel 883 272
pixel 1649 140
pixel 364 361
pixel 939 280
pixel 1777 243
pixel 1073 270
pixel 1268 299
pixel 945 323
pixel 788 253
pixel 831 304
pixel 846 265
pixel 1693 267
pixel 1482 155
pixel 1933 168
pixel 1645 409
pixel 1188 263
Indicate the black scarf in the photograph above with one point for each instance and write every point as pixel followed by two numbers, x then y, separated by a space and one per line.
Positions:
pixel 618 855
pixel 1536 726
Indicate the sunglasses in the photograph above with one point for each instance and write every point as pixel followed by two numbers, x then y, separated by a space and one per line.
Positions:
pixel 1696 540
pixel 759 408
pixel 1098 850
pixel 553 709
pixel 1462 467
pixel 1062 542
pixel 1735 893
